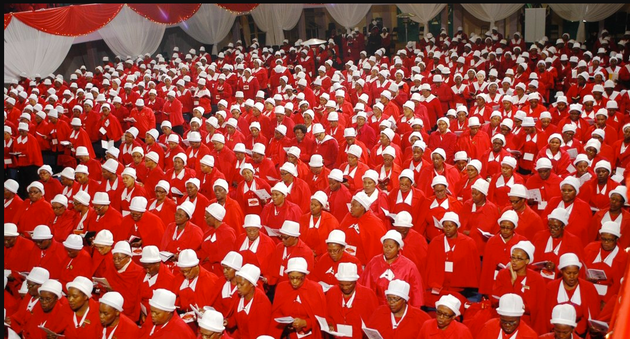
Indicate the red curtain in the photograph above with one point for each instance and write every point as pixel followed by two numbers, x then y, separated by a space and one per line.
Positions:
pixel 7 20
pixel 240 8
pixel 70 20
pixel 166 13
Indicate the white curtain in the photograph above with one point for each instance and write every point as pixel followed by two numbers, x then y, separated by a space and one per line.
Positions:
pixel 274 19
pixel 492 12
pixel 209 25
pixel 585 12
pixel 423 12
pixel 28 50
pixel 348 15
pixel 129 34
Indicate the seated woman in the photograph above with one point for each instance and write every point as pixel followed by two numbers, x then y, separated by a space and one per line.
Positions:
pixel 560 159
pixel 453 261
pixel 579 210
pixel 569 289
pixel 388 171
pixel 162 206
pixel 502 182
pixel 563 320
pixel 517 278
pixel 316 225
pixel 439 203
pixel 405 197
pixel 300 298
pixel 397 319
pixel 390 265
pixel 445 325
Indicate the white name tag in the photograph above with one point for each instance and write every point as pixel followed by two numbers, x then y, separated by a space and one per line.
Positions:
pixel 448 266
pixel 102 130
pixel 54 141
pixel 528 156
pixel 8 161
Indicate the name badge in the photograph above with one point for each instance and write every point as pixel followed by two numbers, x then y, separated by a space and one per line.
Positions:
pixel 448 266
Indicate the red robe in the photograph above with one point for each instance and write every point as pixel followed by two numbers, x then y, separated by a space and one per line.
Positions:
pixel 165 279
pixel 492 329
pixel 483 218
pixel 474 146
pixel 205 291
pixel 52 187
pixel 199 215
pixel 363 235
pixel 71 268
pixel 54 320
pixel 587 308
pixel 89 327
pixel 345 312
pixel 256 253
pixel 436 211
pixel 51 258
pixel 274 217
pixel 252 322
pixel 125 329
pixel 579 218
pixel 31 154
pixel 568 243
pixel 497 253
pixel 378 274
pixel 407 325
pixel 548 189
pixel 300 194
pixel 11 208
pixel 532 288
pixel 603 215
pixel 498 193
pixel 338 201
pixel 250 203
pixel 165 211
pixel 149 228
pixel 314 231
pixel 175 328
pixel 175 241
pixel 279 259
pixel 465 267
pixel 612 262
pixel 30 215
pixel 128 284
pixel 217 242
pixel 234 216
pixel 455 330
pixel 325 268
pixel 305 302
pixel 110 220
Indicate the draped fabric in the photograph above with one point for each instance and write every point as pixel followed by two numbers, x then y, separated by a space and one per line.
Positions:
pixel 492 12
pixel 169 14
pixel 348 15
pixel 238 8
pixel 585 12
pixel 31 51
pixel 274 19
pixel 423 12
pixel 70 20
pixel 209 25
pixel 130 34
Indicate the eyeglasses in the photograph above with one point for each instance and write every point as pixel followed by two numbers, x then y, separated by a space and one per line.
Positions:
pixel 441 314
pixel 33 192
pixel 393 300
pixel 509 323
pixel 608 239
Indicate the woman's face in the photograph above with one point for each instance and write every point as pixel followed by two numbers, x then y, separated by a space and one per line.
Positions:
pixel 390 249
pixel 570 275
pixel 519 259
pixel 316 207
pixel 554 145
pixel 506 171
pixel 369 185
pixel 568 193
pixel 450 229
pixel 296 279
pixel 438 161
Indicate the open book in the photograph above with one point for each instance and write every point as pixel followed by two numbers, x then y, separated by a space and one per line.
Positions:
pixel 342 330
pixel 102 281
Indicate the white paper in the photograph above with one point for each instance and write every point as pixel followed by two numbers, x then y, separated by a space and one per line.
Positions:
pixel 596 274
pixel 620 171
pixel 102 130
pixel 65 143
pixel 352 250
pixel 285 320
pixel 534 194
pixel 372 333
pixel 302 335
pixel 573 152
pixel 272 232
pixel 104 144
pixel 323 324
pixel 262 194
pixel 102 281
pixel 598 324
pixel 601 289
pixel 484 233
pixel 542 205
pixel 528 156
pixel 189 317
pixel 8 161
pixel 448 266
pixel 344 330
pixel 165 255
pixel 7 273
pixel 49 332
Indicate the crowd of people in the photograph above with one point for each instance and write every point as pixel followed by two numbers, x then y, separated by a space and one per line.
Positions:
pixel 467 187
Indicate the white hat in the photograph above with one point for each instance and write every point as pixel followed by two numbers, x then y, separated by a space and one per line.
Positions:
pixel 194 136
pixel 82 284
pixel 82 150
pixel 46 168
pixel 104 237
pixel 252 220
pixel 10 230
pixel 476 164
pixel 73 242
pixel 370 174
pixel 451 216
pixel 122 247
pixel 621 190
pixel 336 237
pixel 110 165
pixel 163 299
pixel 573 181
pixel 440 152
pixel 52 286
pixel 280 188
pixel 188 208
pixel 451 303
pixel 290 228
pixel 100 198
pixel 41 232
pixel 564 314
pixel 321 197
pixel 233 260
pixel 511 305
pixel 258 148
pixel 407 173
pixel 216 210
pixel 347 271
pixel 389 150
pixel 138 204
pixel 603 164
pixel 481 186
pixel 187 258
pixel 150 255
pixel 12 185
pixel 518 190
pixel 250 273
pixel 133 131
pixel 399 288
pixel 336 174
pixel 509 215
pixel 212 321
pixel 38 185
pixel 569 259
pixel 218 137
pixel 182 157
pixel 81 169
pixel 403 219
pixel 559 214
pixel 439 180
pixel 527 247
pixel 362 198
pixel 395 236
pixel 153 156
pixel 67 173
pixel 473 121
pixel 543 163
pixel 509 161
pixel 389 133
pixel 609 227
pixel 461 156
pixel 355 150
pixel 114 300
pixel 297 264
pixel 38 275
pixel 128 171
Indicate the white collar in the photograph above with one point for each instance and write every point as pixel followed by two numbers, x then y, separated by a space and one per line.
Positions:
pixel 189 284
pixel 243 307
pixel 563 297
pixel 348 304
pixel 435 204
pixel 609 258
pixel 253 247
pixel 150 280
pixel 396 324
pixel 407 200
pixel 124 268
